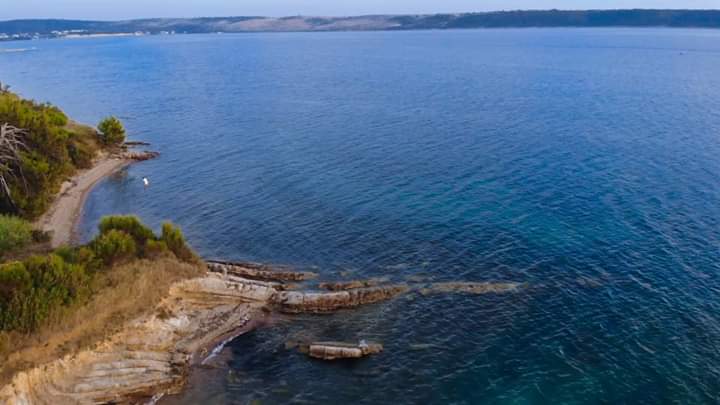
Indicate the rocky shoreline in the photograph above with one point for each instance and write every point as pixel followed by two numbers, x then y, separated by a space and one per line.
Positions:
pixel 154 354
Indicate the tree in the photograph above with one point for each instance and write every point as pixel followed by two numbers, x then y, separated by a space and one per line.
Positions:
pixel 112 131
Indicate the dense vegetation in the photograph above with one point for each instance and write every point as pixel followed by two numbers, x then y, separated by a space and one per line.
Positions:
pixel 39 149
pixel 529 18
pixel 15 233
pixel 40 287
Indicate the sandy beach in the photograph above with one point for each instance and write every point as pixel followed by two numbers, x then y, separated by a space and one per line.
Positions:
pixel 65 211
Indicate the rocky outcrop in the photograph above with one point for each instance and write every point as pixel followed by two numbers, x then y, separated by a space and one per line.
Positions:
pixel 317 302
pixel 152 354
pixel 138 156
pixel 257 271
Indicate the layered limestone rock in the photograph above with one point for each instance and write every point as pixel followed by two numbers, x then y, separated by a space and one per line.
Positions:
pixel 340 350
pixel 152 354
pixel 298 302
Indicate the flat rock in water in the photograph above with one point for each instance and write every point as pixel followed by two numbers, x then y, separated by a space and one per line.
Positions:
pixel 342 350
pixel 316 302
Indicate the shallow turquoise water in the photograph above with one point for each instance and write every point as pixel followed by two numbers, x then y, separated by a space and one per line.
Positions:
pixel 584 163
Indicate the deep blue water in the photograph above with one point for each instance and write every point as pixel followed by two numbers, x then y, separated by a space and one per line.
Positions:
pixel 583 162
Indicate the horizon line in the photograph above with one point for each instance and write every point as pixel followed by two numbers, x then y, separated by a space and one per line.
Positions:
pixel 362 15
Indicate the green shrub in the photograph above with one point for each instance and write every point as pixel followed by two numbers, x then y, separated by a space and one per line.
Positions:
pixel 155 249
pixel 83 144
pixel 61 281
pixel 15 282
pixel 114 246
pixel 129 224
pixel 112 131
pixel 13 277
pixel 175 241
pixel 67 253
pixel 81 155
pixel 86 257
pixel 55 115
pixel 77 255
pixel 146 243
pixel 36 288
pixel 15 233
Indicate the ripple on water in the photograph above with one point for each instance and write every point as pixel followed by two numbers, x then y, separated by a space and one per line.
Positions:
pixel 580 162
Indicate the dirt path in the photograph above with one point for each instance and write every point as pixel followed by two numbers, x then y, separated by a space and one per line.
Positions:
pixel 65 211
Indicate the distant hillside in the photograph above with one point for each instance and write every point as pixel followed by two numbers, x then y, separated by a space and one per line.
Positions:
pixel 549 18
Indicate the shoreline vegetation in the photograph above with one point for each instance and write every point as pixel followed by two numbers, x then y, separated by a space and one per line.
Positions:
pixel 127 316
pixel 49 164
pixel 61 219
pixel 55 28
pixel 40 147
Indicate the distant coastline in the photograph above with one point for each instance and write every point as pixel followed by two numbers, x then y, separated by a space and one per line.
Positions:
pixel 119 34
pixel 57 28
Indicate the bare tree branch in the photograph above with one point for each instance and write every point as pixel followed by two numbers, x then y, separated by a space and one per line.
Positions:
pixel 12 144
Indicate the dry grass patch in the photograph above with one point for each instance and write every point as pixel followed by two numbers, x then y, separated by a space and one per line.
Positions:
pixel 120 295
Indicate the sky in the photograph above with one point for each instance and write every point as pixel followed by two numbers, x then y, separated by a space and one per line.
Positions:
pixel 128 9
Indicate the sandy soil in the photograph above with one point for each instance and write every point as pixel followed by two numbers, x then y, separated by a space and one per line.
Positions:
pixel 65 211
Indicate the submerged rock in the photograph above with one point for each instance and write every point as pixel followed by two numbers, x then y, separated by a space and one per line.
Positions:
pixel 419 278
pixel 259 271
pixel 470 288
pixel 351 285
pixel 423 346
pixel 589 282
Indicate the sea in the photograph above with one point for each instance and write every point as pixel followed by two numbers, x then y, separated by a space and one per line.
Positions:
pixel 583 164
